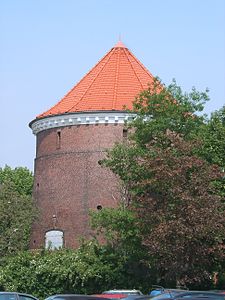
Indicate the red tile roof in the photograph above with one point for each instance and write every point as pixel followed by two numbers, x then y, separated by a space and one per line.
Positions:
pixel 110 85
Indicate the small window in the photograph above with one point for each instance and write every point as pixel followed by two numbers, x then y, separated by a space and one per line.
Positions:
pixel 125 132
pixel 58 142
pixel 53 239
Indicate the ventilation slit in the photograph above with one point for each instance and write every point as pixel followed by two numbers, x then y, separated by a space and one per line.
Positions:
pixel 58 143
pixel 125 132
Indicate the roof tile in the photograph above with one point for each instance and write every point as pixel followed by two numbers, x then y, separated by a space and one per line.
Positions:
pixel 111 84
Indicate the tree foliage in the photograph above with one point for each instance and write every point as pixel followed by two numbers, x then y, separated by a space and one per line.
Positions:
pixel 182 217
pixel 122 247
pixel 21 177
pixel 91 269
pixel 161 108
pixel 173 185
pixel 16 209
pixel 213 137
pixel 16 215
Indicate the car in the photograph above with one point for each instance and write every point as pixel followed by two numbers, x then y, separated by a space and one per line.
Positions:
pixel 202 298
pixel 74 297
pixel 134 297
pixel 190 295
pixel 167 292
pixel 16 296
pixel 123 291
pixel 137 297
pixel 200 294
pixel 111 296
pixel 218 291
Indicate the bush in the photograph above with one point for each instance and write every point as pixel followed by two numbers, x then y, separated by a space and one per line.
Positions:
pixel 87 270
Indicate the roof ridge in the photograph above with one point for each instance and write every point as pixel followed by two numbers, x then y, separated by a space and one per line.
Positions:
pixel 141 65
pixel 134 69
pixel 116 79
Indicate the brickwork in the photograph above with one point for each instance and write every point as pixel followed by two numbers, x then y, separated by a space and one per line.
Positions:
pixel 69 180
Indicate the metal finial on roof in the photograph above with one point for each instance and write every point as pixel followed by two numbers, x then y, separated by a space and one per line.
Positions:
pixel 120 45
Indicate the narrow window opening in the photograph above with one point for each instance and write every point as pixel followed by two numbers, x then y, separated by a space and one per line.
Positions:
pixel 58 144
pixel 125 132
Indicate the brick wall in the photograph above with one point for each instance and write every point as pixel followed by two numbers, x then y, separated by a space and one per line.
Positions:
pixel 69 181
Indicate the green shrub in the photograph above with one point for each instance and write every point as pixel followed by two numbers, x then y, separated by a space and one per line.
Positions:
pixel 87 270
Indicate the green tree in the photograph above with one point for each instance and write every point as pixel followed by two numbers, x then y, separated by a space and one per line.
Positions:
pixel 213 137
pixel 122 247
pixel 87 270
pixel 16 209
pixel 20 176
pixel 16 215
pixel 212 148
pixel 173 190
pixel 160 108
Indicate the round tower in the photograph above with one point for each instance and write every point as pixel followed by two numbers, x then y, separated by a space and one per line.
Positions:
pixel 72 137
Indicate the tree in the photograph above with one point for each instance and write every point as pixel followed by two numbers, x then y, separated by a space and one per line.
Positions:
pixel 213 136
pixel 16 209
pixel 181 214
pixel 123 247
pixel 20 176
pixel 16 215
pixel 212 147
pixel 172 189
pixel 160 108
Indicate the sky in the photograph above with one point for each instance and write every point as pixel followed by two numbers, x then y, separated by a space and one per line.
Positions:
pixel 47 46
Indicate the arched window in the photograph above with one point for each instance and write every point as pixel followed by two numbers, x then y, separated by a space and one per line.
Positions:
pixel 53 239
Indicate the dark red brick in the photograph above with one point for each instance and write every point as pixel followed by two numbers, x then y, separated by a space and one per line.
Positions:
pixel 69 180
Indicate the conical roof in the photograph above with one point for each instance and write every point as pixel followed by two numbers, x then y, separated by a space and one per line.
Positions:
pixel 111 85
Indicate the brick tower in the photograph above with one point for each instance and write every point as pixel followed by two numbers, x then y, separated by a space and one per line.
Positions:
pixel 72 137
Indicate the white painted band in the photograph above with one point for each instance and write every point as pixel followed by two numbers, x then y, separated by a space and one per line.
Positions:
pixel 80 119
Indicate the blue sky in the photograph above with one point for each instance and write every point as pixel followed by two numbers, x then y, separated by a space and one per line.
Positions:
pixel 47 46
